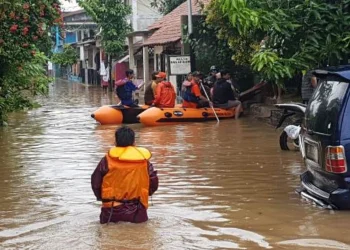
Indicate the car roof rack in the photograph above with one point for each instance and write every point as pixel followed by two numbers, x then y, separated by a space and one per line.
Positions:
pixel 342 71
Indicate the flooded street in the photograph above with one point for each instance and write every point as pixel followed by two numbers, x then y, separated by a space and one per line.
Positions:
pixel 221 187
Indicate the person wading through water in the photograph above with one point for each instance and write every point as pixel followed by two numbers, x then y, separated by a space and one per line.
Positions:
pixel 150 92
pixel 308 86
pixel 124 179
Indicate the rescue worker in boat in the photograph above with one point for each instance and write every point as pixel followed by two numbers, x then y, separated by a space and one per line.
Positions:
pixel 192 96
pixel 165 93
pixel 125 89
pixel 124 179
pixel 211 79
pixel 187 82
pixel 223 94
pixel 150 92
pixel 205 87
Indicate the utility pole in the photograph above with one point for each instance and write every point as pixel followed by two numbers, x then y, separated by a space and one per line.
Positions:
pixel 190 31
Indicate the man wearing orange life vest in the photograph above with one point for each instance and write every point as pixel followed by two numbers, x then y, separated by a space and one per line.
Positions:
pixel 123 180
pixel 165 93
pixel 192 96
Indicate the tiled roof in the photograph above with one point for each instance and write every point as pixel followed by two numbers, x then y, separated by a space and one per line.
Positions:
pixel 168 28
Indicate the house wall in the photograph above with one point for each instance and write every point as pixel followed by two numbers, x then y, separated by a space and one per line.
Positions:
pixel 71 37
pixel 145 15
pixel 139 65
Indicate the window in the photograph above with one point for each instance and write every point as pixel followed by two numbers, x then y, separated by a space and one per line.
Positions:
pixel 86 34
pixel 79 36
pixel 92 33
pixel 325 105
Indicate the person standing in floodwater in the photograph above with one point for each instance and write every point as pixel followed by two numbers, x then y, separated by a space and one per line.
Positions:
pixel 124 179
pixel 308 85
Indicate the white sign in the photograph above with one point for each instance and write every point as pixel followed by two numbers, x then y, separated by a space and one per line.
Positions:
pixel 180 65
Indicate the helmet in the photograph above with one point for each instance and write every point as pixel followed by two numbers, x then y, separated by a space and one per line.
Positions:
pixel 213 68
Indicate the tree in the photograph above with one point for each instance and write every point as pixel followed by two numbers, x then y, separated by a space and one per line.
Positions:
pixel 212 47
pixel 166 6
pixel 242 46
pixel 24 35
pixel 111 17
pixel 296 34
pixel 67 57
pixel 209 50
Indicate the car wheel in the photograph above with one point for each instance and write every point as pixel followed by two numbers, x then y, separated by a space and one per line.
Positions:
pixel 284 141
pixel 287 143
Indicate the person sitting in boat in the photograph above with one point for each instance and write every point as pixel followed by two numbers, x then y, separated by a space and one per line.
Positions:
pixel 125 88
pixel 192 96
pixel 211 79
pixel 187 82
pixel 150 92
pixel 165 93
pixel 223 94
pixel 124 179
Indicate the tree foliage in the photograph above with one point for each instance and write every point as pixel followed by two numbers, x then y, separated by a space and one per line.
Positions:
pixel 24 27
pixel 242 46
pixel 209 50
pixel 68 56
pixel 296 34
pixel 166 6
pixel 111 17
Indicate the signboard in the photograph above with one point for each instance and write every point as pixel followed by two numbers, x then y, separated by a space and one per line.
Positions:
pixel 179 65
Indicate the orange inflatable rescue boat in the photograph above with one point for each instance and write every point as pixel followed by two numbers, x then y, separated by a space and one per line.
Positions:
pixel 118 114
pixel 165 116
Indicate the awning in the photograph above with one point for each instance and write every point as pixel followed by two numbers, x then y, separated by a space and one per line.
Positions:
pixel 124 59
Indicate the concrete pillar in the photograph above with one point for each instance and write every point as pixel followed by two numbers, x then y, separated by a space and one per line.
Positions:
pixel 131 54
pixel 157 51
pixel 94 51
pixel 134 15
pixel 86 65
pixel 145 56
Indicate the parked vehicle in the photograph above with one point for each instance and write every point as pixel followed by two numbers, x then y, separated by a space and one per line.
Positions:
pixel 289 138
pixel 325 140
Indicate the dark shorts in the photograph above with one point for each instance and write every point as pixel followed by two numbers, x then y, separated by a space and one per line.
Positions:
pixel 202 104
pixel 229 104
pixel 128 213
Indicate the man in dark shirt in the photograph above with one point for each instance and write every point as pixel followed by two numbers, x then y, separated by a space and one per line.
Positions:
pixel 211 79
pixel 308 85
pixel 223 95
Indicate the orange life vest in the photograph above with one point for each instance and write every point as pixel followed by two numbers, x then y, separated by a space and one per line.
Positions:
pixel 127 179
pixel 165 96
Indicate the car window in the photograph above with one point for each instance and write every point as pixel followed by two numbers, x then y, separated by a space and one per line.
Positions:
pixel 325 105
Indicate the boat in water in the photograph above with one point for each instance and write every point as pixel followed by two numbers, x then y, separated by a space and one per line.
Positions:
pixel 118 114
pixel 166 116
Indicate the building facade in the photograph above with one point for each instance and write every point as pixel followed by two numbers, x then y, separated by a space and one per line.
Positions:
pixel 82 33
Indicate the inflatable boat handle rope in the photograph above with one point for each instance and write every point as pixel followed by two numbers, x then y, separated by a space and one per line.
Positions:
pixel 211 105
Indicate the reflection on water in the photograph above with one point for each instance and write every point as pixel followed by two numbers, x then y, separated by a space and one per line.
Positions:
pixel 221 187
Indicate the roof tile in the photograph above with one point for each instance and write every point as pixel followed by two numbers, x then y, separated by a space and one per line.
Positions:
pixel 168 28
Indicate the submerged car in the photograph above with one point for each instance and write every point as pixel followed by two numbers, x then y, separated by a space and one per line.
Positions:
pixel 325 140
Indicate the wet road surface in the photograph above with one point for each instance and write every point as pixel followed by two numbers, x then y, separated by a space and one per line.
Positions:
pixel 221 187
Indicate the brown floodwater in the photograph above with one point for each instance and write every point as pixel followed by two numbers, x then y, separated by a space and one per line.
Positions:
pixel 221 187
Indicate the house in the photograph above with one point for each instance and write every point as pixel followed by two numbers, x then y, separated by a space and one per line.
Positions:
pixel 82 33
pixel 164 37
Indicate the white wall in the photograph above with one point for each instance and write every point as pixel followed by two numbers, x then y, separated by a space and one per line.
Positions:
pixel 143 15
